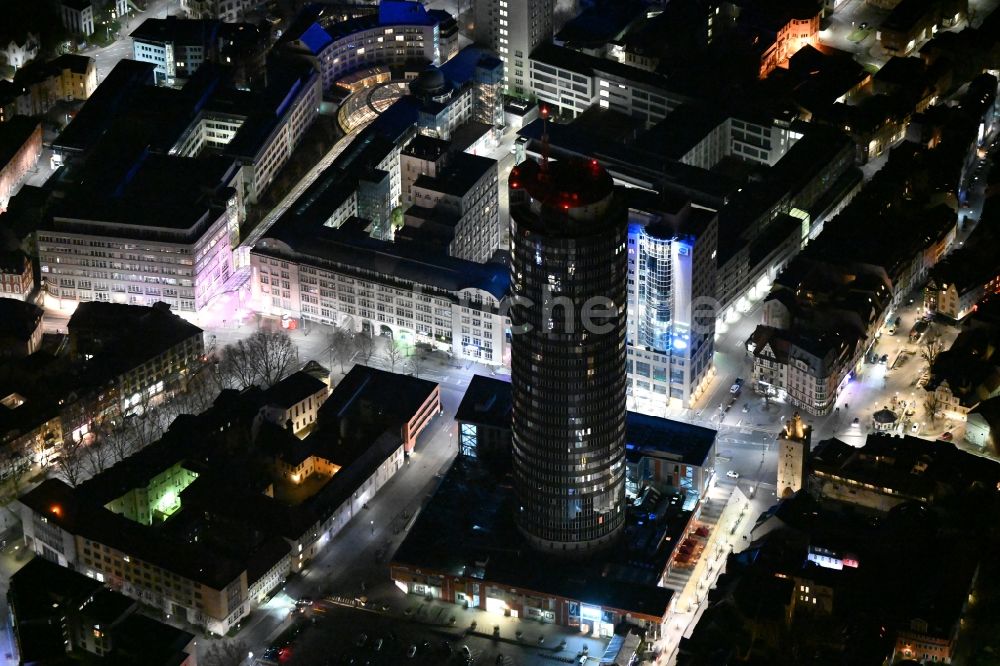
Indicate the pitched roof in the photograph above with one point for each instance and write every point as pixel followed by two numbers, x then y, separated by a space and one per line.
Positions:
pixel 293 389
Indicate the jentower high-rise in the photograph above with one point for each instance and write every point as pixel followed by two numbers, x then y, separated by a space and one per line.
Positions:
pixel 569 270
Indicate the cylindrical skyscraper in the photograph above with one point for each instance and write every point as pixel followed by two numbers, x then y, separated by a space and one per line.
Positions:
pixel 568 231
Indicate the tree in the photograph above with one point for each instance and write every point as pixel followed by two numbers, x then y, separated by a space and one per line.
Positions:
pixel 394 353
pixel 263 359
pixel 72 458
pixel 96 457
pixel 365 346
pixel 930 350
pixel 417 364
pixel 931 405
pixel 225 653
pixel 275 355
pixel 341 346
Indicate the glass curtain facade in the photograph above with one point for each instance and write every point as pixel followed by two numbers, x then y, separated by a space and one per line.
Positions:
pixel 569 272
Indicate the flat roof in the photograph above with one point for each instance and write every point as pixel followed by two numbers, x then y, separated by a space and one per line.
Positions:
pixel 174 29
pixel 487 401
pixel 468 530
pixel 461 174
pixel 395 397
pixel 676 440
pixel 588 65
pixel 406 263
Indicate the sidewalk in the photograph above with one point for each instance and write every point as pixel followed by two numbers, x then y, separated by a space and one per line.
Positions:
pixel 527 633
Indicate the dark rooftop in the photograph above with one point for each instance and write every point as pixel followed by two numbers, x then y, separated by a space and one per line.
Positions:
pixel 664 438
pixel 462 172
pixel 912 467
pixel 468 529
pixel 176 30
pixel 369 401
pixel 13 135
pixel 293 389
pixel 487 401
pixel 19 319
pixel 301 231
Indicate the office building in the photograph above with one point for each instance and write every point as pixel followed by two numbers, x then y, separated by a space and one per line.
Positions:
pixel 569 272
pixel 401 32
pixel 344 276
pixel 513 29
pixel 229 11
pixel 671 318
pixel 456 206
pixel 162 230
pixel 177 47
pixel 573 81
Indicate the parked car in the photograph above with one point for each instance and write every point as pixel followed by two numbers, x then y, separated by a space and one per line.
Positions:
pixel 733 474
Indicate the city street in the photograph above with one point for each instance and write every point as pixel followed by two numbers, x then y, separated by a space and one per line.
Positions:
pixel 106 57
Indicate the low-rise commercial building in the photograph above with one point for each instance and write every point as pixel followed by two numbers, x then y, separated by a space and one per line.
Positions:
pixel 485 564
pixel 665 455
pixel 888 471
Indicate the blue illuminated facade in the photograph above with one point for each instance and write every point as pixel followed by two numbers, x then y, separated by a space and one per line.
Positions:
pixel 671 289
